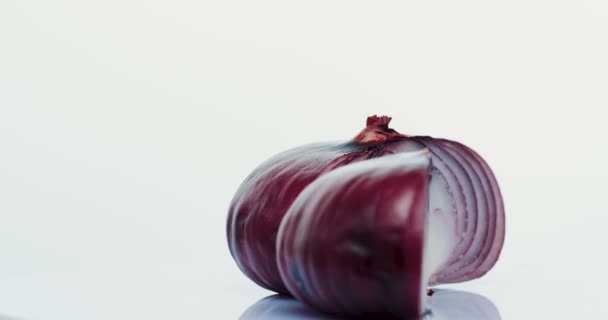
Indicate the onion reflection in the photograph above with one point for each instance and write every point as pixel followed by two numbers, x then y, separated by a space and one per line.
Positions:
pixel 444 304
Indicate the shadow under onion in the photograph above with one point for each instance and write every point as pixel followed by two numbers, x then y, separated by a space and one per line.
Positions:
pixel 443 305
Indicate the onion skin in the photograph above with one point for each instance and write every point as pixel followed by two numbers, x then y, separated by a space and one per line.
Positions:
pixel 262 201
pixel 328 222
pixel 267 193
pixel 352 242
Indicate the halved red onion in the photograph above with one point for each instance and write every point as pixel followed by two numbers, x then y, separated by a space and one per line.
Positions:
pixel 366 225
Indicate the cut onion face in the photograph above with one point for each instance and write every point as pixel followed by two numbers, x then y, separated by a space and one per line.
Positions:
pixel 492 243
pixel 479 221
pixel 361 228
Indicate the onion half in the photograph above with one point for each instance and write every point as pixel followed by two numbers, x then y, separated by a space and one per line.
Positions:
pixel 361 228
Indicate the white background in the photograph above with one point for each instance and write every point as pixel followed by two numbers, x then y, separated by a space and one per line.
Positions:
pixel 127 125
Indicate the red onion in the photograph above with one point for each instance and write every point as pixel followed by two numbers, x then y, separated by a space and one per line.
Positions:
pixel 355 237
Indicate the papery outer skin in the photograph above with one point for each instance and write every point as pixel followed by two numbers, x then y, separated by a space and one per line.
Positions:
pixel 352 242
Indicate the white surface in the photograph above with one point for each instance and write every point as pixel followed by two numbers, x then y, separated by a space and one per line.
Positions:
pixel 445 304
pixel 126 126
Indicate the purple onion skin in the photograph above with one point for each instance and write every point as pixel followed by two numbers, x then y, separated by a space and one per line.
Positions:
pixel 352 243
pixel 267 193
pixel 262 201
